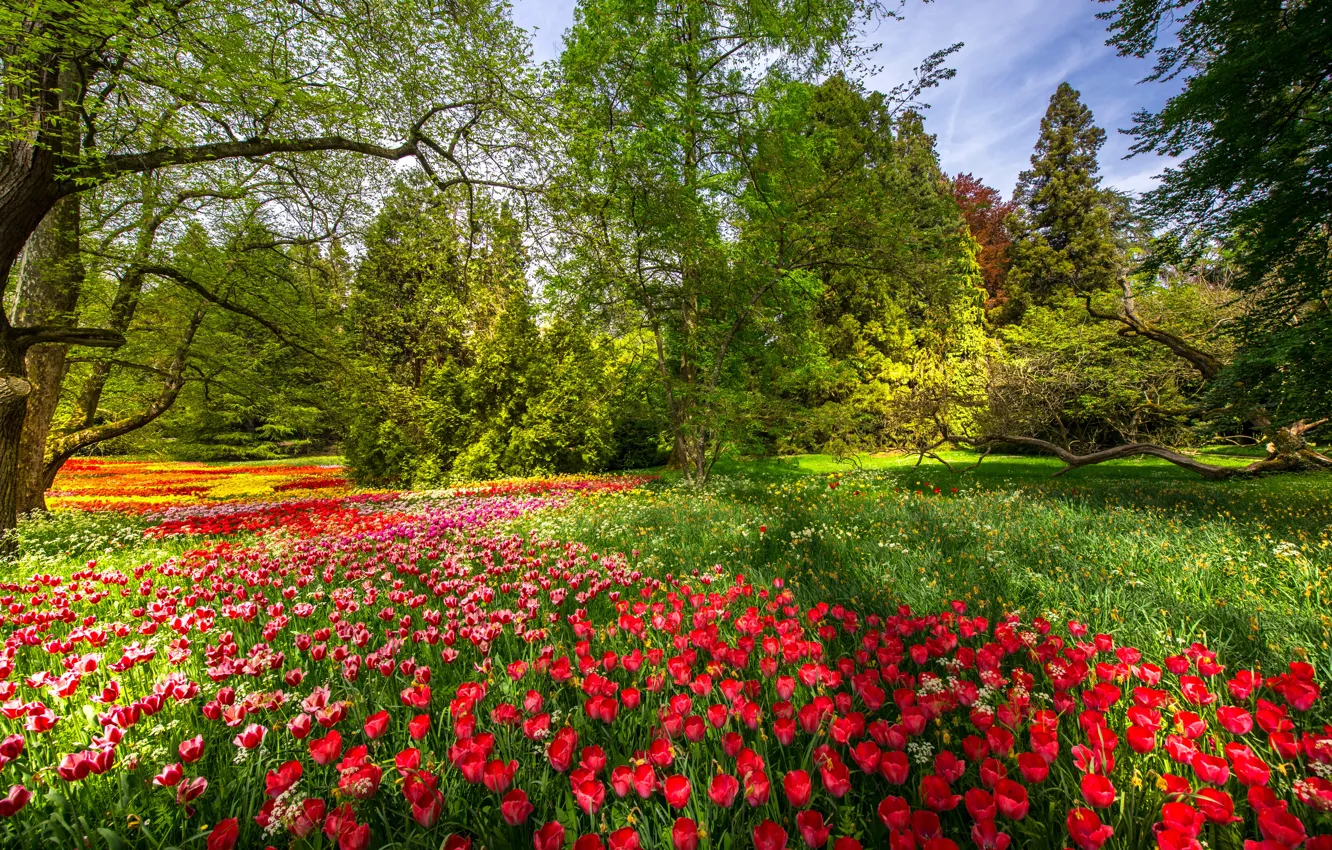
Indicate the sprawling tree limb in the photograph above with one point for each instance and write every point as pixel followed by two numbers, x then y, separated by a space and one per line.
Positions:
pixel 1207 364
pixel 204 292
pixel 1286 452
pixel 108 168
pixel 1074 461
pixel 89 337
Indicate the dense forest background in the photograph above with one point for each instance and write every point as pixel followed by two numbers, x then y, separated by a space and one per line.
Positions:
pixel 694 234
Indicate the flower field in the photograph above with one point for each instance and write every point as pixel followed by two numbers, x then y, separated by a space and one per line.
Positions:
pixel 314 667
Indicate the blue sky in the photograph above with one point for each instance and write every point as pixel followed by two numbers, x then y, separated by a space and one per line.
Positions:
pixel 1016 54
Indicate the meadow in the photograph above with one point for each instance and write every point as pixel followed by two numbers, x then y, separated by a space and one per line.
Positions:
pixel 803 653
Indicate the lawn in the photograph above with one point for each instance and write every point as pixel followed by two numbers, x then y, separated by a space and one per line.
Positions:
pixel 806 652
pixel 1138 547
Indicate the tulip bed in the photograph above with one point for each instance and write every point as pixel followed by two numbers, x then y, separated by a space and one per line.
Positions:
pixel 371 670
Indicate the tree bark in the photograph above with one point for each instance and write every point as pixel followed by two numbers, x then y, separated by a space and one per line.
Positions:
pixel 50 278
pixel 13 407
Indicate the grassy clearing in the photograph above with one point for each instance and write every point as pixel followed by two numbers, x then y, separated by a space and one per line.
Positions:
pixel 1137 547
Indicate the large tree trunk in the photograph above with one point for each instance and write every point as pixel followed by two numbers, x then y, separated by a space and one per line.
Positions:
pixel 13 406
pixel 50 280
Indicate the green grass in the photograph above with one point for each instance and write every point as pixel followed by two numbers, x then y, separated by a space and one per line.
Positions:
pixel 1139 548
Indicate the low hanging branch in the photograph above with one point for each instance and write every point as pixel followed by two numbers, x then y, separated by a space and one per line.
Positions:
pixel 202 291
pixel 1207 364
pixel 61 448
pixel 1288 451
pixel 27 337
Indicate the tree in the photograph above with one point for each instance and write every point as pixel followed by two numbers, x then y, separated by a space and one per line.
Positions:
pixel 1063 232
pixel 897 332
pixel 460 373
pixel 93 94
pixel 666 214
pixel 1251 133
pixel 987 215
pixel 227 332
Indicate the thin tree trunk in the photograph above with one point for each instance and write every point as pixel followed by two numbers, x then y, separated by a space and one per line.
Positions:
pixel 123 308
pixel 49 282
pixel 60 448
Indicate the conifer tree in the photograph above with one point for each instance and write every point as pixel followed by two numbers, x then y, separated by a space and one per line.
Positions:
pixel 1063 233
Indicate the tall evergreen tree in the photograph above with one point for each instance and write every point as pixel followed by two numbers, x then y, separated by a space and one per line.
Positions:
pixel 1063 230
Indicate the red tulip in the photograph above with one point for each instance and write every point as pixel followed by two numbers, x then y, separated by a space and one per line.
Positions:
pixel 925 825
pixel 250 737
pixel 625 838
pixel 1097 790
pixel 1216 805
pixel 949 766
pixel 684 835
pixel 677 791
pixel 14 801
pixel 937 795
pixel 191 789
pixel 1281 826
pixel 980 804
pixel 986 835
pixel 1010 798
pixel 645 780
pixel 277 782
pixel 757 788
pixel 515 807
pixel 327 749
pixel 299 726
pixel 549 837
pixel 498 775
pixel 812 829
pixel 1211 769
pixel 895 767
pixel 797 785
pixel 836 778
pixel 169 776
pixel 1086 829
pixel 895 813
pixel 418 726
pixel 561 749
pixel 356 837
pixel 224 835
pixel 1182 819
pixel 590 796
pixel 308 817
pixel 724 789
pixel 428 808
pixel 769 836
pixel 191 750
pixel 376 724
pixel 1033 768
pixel 1141 739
